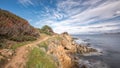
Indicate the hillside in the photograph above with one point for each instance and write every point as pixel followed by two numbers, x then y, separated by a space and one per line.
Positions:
pixel 12 25
pixel 14 32
pixel 15 28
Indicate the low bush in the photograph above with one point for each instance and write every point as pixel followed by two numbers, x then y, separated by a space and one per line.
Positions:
pixel 15 46
pixel 2 43
pixel 47 30
pixel 23 38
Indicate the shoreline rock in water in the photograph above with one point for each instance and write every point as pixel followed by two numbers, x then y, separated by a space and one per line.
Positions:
pixel 64 49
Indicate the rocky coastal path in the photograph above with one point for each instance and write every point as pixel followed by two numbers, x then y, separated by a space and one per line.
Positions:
pixel 20 57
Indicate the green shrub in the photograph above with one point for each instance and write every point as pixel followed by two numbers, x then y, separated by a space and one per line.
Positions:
pixel 2 43
pixel 23 38
pixel 47 30
pixel 39 59
pixel 15 46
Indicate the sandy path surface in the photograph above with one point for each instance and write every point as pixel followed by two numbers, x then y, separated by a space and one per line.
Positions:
pixel 19 59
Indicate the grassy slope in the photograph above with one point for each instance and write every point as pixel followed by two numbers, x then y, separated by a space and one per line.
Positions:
pixel 39 59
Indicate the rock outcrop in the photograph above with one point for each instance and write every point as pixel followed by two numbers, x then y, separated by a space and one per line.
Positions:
pixel 63 49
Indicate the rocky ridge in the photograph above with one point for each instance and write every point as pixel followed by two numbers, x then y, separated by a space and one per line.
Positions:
pixel 64 49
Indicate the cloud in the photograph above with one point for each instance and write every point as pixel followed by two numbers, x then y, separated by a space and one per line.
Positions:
pixel 26 2
pixel 99 13
pixel 82 16
pixel 101 27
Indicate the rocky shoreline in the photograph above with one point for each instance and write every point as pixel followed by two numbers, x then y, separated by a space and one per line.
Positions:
pixel 89 63
pixel 65 50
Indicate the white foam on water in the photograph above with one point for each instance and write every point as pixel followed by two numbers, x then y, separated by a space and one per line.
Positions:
pixel 92 64
pixel 79 41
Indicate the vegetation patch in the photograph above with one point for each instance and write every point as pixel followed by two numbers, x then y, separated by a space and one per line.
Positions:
pixel 58 38
pixel 23 38
pixel 2 45
pixel 39 59
pixel 43 44
pixel 15 42
pixel 15 46
pixel 47 30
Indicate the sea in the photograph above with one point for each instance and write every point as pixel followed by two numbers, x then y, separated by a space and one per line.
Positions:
pixel 109 44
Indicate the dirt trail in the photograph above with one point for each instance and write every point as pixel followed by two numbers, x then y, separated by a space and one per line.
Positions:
pixel 19 60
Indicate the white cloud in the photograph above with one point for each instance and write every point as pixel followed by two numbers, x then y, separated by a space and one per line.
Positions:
pixel 117 13
pixel 26 2
pixel 101 27
pixel 102 12
pixel 77 19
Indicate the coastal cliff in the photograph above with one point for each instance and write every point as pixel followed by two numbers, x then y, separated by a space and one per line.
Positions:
pixel 63 50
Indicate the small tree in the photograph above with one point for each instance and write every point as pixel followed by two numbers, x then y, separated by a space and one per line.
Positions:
pixel 47 30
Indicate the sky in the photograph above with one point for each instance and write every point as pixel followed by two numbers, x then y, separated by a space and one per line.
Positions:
pixel 72 16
